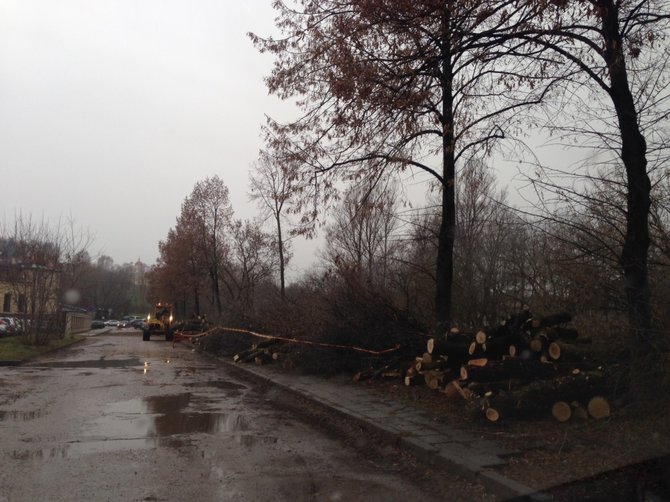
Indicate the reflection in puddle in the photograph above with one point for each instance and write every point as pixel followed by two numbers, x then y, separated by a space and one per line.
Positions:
pixel 153 421
pixel 249 440
pixel 172 419
pixel 232 389
pixel 20 416
pixel 98 363
pixel 41 454
pixel 138 424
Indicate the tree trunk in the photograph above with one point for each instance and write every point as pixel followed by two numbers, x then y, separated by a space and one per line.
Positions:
pixel 216 290
pixel 645 357
pixel 445 248
pixel 196 299
pixel 281 258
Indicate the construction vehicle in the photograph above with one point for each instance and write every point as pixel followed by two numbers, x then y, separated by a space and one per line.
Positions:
pixel 159 322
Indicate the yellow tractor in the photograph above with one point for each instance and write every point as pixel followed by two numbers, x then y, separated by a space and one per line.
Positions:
pixel 159 322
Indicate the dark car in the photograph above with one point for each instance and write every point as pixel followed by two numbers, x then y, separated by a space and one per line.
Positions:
pixel 137 323
pixel 97 324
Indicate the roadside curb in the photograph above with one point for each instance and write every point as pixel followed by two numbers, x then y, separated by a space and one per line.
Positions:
pixel 462 462
pixel 95 332
pixel 20 362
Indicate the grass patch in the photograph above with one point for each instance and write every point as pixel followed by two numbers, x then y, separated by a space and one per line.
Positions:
pixel 12 348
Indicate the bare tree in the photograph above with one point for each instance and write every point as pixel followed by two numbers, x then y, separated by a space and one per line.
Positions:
pixel 397 85
pixel 31 265
pixel 614 44
pixel 361 236
pixel 252 260
pixel 273 183
pixel 485 228
pixel 208 207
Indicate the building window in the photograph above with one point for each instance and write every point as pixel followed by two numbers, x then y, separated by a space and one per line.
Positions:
pixel 22 304
pixel 7 303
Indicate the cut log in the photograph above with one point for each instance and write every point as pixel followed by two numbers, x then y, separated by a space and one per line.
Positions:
pixel 537 398
pixel 481 337
pixel 561 411
pixel 262 359
pixel 568 352
pixel 263 344
pixel 413 380
pixel 411 371
pixel 551 320
pixel 482 388
pixel 440 364
pixel 251 357
pixel 241 355
pixel 453 389
pixel 478 362
pixel 454 350
pixel 500 346
pixel 512 367
pixel 578 411
pixel 539 343
pixel 433 379
pixel 476 348
pixel 492 415
pixel 598 407
pixel 459 337
pixel 516 322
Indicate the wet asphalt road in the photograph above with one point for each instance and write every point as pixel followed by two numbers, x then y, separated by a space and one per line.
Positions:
pixel 115 418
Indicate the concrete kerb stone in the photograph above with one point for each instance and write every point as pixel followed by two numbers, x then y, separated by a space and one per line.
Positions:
pixel 415 445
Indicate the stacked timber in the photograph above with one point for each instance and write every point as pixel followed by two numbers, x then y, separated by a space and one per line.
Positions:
pixel 524 368
pixel 261 353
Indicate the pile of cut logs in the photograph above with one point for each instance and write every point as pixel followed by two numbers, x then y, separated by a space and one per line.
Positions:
pixel 261 353
pixel 526 367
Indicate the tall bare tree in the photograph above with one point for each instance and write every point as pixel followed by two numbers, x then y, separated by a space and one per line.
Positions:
pixel 273 183
pixel 397 85
pixel 361 236
pixel 619 49
pixel 208 207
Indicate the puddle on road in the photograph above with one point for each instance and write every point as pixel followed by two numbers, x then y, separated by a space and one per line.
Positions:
pixel 231 389
pixel 138 424
pixel 97 363
pixel 249 440
pixel 153 421
pixel 19 416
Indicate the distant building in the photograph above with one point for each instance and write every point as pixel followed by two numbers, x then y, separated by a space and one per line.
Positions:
pixel 140 270
pixel 29 278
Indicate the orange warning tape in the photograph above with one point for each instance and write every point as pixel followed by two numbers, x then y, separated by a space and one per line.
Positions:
pixel 185 335
pixel 307 342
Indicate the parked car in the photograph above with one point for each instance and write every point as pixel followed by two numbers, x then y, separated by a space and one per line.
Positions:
pixel 137 323
pixel 113 323
pixel 19 325
pixel 9 324
pixel 97 324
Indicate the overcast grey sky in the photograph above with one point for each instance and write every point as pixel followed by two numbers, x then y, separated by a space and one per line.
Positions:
pixel 111 110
